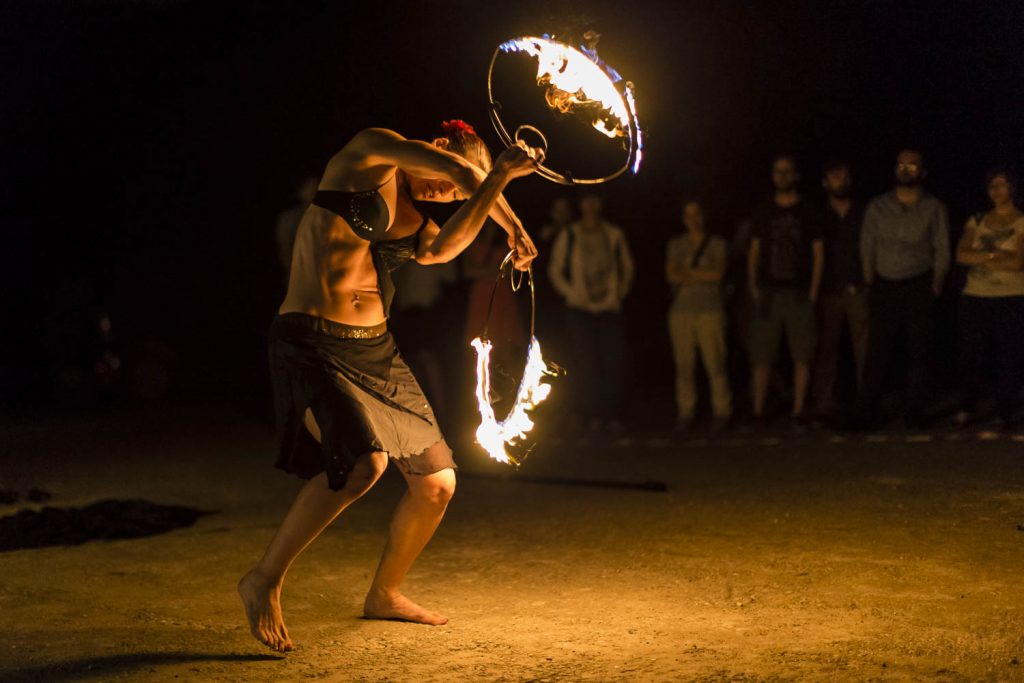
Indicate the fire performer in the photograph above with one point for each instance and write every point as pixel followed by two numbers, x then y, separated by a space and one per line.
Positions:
pixel 345 401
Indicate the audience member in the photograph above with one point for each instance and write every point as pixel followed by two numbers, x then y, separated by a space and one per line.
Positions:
pixel 992 305
pixel 551 316
pixel 592 269
pixel 905 253
pixel 419 297
pixel 694 265
pixel 843 301
pixel 559 219
pixel 785 266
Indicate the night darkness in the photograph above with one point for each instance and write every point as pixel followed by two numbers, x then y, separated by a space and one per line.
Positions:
pixel 151 144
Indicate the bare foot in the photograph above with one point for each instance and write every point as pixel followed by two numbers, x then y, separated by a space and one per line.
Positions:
pixel 263 608
pixel 397 607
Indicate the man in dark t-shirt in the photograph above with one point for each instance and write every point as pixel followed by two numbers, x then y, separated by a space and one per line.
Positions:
pixel 843 302
pixel 785 263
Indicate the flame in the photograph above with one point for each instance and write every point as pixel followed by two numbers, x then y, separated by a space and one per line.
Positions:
pixel 574 80
pixel 631 101
pixel 493 435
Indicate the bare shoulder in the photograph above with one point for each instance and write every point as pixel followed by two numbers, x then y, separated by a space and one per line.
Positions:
pixel 357 165
pixel 365 143
pixel 371 137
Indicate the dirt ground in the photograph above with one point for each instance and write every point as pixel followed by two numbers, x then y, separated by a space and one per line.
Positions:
pixel 801 557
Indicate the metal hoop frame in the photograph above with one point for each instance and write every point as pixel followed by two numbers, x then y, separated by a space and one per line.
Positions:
pixel 552 175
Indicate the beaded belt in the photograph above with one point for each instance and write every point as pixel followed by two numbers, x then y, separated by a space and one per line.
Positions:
pixel 331 327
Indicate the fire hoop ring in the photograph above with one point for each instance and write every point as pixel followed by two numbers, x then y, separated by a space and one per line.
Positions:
pixel 495 436
pixel 624 89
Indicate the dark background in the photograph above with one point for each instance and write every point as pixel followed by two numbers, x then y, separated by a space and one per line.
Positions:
pixel 148 146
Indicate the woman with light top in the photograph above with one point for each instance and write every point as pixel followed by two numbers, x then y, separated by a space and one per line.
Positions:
pixel 992 305
pixel 694 267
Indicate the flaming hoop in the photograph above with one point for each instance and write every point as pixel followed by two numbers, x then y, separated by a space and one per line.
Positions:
pixel 497 436
pixel 575 82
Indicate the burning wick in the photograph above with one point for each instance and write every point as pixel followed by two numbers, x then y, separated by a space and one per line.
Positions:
pixel 493 435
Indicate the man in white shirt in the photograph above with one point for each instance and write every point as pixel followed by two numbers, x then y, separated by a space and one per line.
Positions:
pixel 592 269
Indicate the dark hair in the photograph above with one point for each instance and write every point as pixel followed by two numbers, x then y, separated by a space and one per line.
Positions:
pixel 834 165
pixel 788 157
pixel 916 149
pixel 463 140
pixel 1011 180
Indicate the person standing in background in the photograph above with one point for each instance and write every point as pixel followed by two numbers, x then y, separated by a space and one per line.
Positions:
pixel 694 265
pixel 785 264
pixel 592 269
pixel 843 301
pixel 992 305
pixel 551 321
pixel 904 248
pixel 419 328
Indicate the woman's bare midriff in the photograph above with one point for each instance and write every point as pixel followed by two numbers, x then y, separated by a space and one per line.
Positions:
pixel 332 274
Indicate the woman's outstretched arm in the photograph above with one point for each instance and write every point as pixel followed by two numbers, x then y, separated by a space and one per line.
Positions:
pixel 462 228
pixel 378 151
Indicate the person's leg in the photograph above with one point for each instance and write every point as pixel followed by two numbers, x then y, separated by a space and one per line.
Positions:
pixel 414 522
pixel 920 320
pixel 578 364
pixel 710 331
pixel 857 319
pixel 682 332
pixel 1008 332
pixel 612 365
pixel 801 334
pixel 826 365
pixel 801 380
pixel 883 330
pixel 762 375
pixel 314 508
pixel 973 345
pixel 765 335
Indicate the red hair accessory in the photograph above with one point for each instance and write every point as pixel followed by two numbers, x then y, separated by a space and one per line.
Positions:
pixel 456 126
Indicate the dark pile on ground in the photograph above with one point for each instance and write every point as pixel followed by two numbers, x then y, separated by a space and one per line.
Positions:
pixel 106 520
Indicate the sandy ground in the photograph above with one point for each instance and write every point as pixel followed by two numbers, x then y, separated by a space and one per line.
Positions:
pixel 799 558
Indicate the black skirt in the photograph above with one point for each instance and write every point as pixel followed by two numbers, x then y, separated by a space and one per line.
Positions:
pixel 361 393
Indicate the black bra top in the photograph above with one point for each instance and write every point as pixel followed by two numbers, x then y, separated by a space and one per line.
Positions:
pixel 367 214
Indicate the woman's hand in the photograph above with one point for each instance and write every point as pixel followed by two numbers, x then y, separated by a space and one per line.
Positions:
pixel 524 249
pixel 518 161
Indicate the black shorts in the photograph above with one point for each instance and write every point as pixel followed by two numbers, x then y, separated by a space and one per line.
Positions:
pixel 362 394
